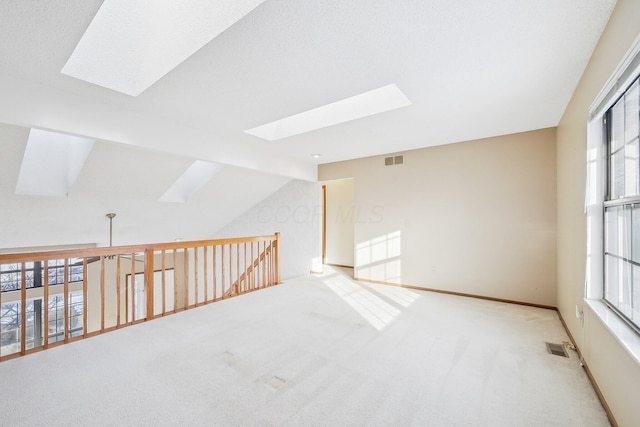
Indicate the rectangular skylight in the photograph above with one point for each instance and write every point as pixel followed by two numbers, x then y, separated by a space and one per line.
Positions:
pixel 52 162
pixel 375 101
pixel 130 45
pixel 192 180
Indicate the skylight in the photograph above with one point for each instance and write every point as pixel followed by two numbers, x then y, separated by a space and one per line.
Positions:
pixel 51 163
pixel 192 180
pixel 375 101
pixel 130 45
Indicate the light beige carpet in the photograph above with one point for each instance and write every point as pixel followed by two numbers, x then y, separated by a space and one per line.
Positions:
pixel 315 351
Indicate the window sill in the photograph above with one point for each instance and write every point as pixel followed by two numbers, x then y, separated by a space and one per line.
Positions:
pixel 622 332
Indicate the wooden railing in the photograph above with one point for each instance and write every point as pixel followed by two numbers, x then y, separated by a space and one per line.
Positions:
pixel 52 298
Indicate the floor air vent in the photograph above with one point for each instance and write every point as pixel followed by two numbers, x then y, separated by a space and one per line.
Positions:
pixel 556 349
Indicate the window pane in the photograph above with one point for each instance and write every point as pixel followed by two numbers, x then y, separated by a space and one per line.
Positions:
pixel 624 292
pixel 635 237
pixel 618 283
pixel 56 318
pixel 617 231
pixel 617 126
pixel 613 277
pixel 11 331
pixel 76 312
pixel 617 174
pixel 624 289
pixel 631 113
pixel 611 229
pixel 631 168
pixel 635 299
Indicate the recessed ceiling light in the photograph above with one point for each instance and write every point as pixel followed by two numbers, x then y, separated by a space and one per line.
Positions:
pixel 375 101
pixel 192 180
pixel 130 45
pixel 52 162
pixel 316 156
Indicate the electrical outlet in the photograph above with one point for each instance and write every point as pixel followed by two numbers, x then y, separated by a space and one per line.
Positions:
pixel 578 312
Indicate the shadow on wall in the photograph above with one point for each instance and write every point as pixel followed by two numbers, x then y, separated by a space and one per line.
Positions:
pixel 379 258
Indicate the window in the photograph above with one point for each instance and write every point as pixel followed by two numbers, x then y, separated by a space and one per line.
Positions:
pixel 621 124
pixel 35 277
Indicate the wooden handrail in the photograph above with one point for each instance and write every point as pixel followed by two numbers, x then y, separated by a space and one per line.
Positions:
pixel 124 285
pixel 114 250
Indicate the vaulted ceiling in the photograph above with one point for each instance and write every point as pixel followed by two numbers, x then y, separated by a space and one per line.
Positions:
pixel 470 69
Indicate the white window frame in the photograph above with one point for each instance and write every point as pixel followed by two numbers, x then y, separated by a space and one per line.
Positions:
pixel 596 158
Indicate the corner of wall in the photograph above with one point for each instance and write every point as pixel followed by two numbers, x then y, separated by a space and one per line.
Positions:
pixel 294 211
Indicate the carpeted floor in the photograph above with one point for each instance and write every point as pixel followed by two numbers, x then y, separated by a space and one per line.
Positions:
pixel 314 351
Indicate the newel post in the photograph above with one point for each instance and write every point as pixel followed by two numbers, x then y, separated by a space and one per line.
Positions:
pixel 278 275
pixel 148 281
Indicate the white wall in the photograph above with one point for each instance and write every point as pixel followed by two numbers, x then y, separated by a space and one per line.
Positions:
pixel 476 217
pixel 295 212
pixel 340 216
pixel 616 373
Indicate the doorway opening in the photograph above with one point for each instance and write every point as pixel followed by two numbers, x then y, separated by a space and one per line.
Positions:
pixel 338 218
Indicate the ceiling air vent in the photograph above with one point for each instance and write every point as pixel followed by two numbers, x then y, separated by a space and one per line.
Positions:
pixel 556 349
pixel 394 160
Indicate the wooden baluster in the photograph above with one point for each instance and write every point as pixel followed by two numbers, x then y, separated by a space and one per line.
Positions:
pixel 175 281
pixel 23 309
pixel 222 263
pixel 230 268
pixel 267 255
pixel 45 283
pixel 133 289
pixel 118 291
pixel 186 278
pixel 246 268
pixel 1 321
pixel 66 300
pixel 278 259
pixel 206 274
pixel 85 297
pixel 195 274
pixel 250 267
pixel 269 258
pixel 260 266
pixel 101 293
pixel 149 282
pixel 266 265
pixel 215 274
pixel 164 282
pixel 268 261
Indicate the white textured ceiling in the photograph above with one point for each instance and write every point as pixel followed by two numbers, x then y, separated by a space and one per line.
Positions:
pixel 128 181
pixel 472 69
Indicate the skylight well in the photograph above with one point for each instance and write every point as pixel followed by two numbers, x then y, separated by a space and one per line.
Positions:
pixel 130 45
pixel 52 162
pixel 192 180
pixel 366 104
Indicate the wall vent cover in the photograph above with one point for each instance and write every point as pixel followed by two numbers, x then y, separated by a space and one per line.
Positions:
pixel 556 349
pixel 394 160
